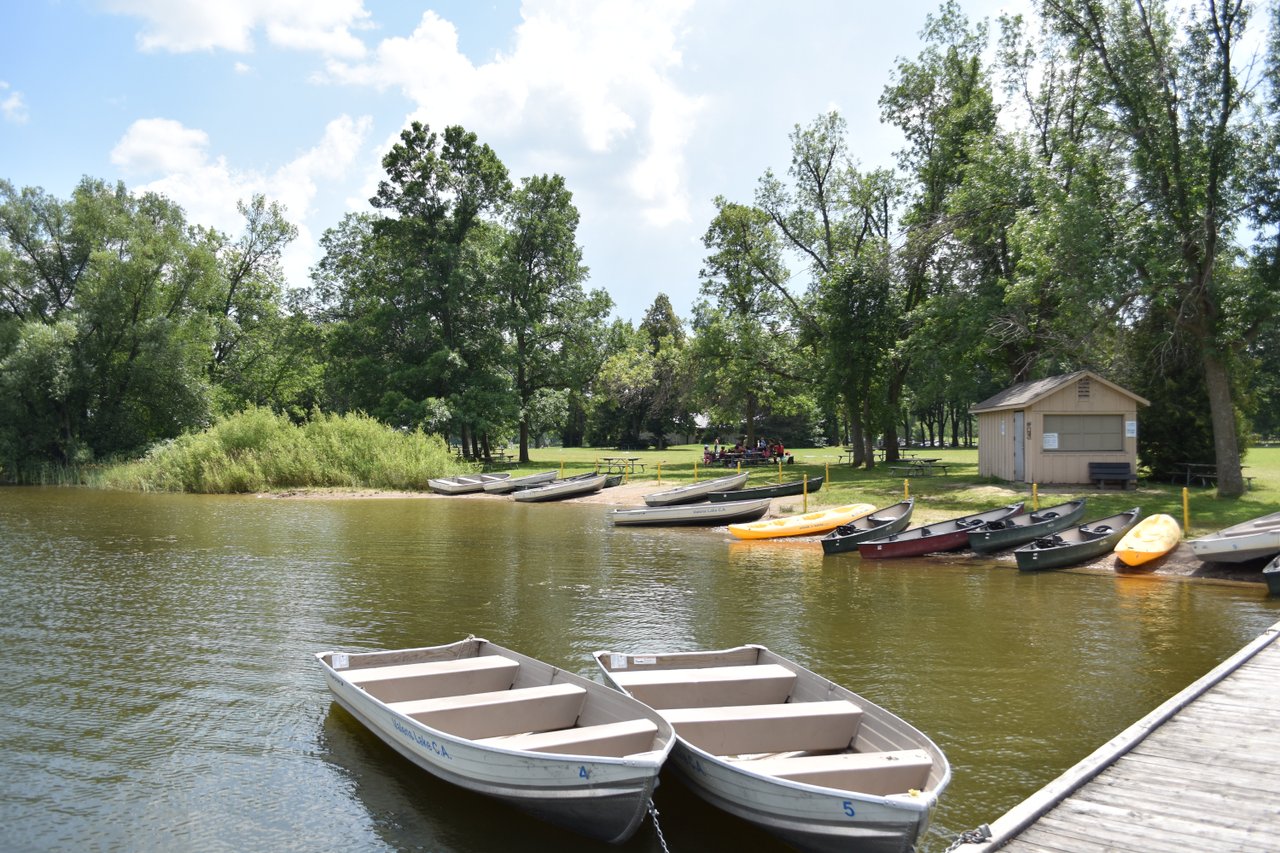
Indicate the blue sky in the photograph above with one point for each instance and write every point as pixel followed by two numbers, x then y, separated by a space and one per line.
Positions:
pixel 649 109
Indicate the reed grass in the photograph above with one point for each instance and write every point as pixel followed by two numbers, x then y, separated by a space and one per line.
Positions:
pixel 257 450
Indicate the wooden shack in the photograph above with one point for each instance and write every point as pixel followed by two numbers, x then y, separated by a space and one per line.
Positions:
pixel 1049 430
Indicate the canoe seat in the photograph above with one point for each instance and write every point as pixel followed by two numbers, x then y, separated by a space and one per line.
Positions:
pixel 502 712
pixel 880 519
pixel 705 687
pixel 608 739
pixel 755 729
pixel 428 680
pixel 876 773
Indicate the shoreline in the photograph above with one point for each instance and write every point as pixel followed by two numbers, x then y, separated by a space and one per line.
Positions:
pixel 1179 565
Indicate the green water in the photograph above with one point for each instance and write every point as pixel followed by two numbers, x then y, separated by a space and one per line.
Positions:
pixel 159 693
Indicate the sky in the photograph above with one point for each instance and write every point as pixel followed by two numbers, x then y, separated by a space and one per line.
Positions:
pixel 648 108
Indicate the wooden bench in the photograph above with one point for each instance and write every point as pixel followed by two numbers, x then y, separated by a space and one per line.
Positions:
pixel 876 773
pixel 752 729
pixel 607 739
pixel 757 684
pixel 503 712
pixel 428 680
pixel 1101 473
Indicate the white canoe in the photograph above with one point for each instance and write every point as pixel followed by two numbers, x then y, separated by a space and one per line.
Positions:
pixel 717 513
pixel 1250 540
pixel 466 483
pixel 561 747
pixel 696 491
pixel 570 487
pixel 788 750
pixel 501 487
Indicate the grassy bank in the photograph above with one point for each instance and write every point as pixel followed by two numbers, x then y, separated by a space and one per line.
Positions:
pixel 257 451
pixel 960 490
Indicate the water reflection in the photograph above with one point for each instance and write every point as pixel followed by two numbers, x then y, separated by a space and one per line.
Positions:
pixel 161 692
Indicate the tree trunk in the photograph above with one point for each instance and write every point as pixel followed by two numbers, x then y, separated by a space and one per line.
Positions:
pixel 1226 447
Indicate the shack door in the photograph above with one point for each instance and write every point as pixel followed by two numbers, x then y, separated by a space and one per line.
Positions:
pixel 1019 447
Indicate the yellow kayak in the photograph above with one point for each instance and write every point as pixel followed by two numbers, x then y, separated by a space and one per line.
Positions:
pixel 1154 536
pixel 808 524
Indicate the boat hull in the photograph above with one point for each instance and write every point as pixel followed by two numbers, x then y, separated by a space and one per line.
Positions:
pixel 560 491
pixel 502 487
pixel 1075 549
pixel 781 490
pixel 465 484
pixel 552 787
pixel 703 514
pixel 696 491
pixel 949 535
pixel 881 523
pixel 1020 529
pixel 1271 574
pixel 810 817
pixel 806 524
pixel 1255 539
pixel 1149 539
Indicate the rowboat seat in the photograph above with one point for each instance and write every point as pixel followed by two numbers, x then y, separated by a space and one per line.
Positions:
pixel 428 680
pixel 607 739
pixel 876 773
pixel 711 686
pixel 502 712
pixel 755 729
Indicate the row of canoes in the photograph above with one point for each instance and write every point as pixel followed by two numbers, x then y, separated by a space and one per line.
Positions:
pixel 543 486
pixel 750 731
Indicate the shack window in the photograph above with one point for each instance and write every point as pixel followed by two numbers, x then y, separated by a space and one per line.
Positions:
pixel 1086 432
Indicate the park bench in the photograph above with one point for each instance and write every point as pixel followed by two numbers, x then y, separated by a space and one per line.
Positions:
pixel 1101 473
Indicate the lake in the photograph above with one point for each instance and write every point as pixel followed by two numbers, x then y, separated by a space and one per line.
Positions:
pixel 161 691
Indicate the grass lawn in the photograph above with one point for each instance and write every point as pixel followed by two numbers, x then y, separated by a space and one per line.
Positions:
pixel 941 496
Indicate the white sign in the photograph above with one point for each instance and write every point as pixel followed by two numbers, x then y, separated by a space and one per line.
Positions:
pixel 1050 441
pixel 1002 426
pixel 341 660
pixel 1130 429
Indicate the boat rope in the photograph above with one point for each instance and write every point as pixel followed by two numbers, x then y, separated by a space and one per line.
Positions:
pixel 972 836
pixel 653 813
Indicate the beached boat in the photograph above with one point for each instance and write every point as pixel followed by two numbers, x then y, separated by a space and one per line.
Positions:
pixel 949 535
pixel 877 525
pixel 1076 545
pixel 1271 574
pixel 799 756
pixel 1149 539
pixel 696 491
pixel 778 490
pixel 559 746
pixel 466 483
pixel 612 480
pixel 805 524
pixel 1250 540
pixel 1020 529
pixel 502 487
pixel 688 514
pixel 558 490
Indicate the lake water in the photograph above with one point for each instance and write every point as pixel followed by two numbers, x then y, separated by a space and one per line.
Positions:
pixel 161 694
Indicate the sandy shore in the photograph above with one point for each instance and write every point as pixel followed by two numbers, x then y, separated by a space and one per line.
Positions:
pixel 1180 564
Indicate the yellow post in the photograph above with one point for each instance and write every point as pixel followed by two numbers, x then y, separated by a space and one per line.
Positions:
pixel 1186 511
pixel 805 489
pixel 659 473
pixel 906 489
pixel 739 466
pixel 1035 496
pixel 597 468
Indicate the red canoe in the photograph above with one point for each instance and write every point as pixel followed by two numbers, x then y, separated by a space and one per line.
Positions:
pixel 949 535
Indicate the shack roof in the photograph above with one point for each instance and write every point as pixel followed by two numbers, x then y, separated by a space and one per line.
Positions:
pixel 1026 394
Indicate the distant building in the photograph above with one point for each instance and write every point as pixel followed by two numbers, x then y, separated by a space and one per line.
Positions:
pixel 1049 430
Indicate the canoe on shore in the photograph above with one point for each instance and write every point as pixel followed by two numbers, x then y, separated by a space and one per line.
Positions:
pixel 465 484
pixel 1020 529
pixel 878 524
pixel 502 487
pixel 804 524
pixel 688 514
pixel 793 753
pixel 779 490
pixel 949 535
pixel 1076 545
pixel 558 746
pixel 697 491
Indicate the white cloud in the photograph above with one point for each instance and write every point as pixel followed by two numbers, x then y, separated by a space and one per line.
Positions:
pixel 591 81
pixel 13 106
pixel 208 188
pixel 242 68
pixel 182 26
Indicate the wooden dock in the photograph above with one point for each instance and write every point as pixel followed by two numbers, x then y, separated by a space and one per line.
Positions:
pixel 1201 772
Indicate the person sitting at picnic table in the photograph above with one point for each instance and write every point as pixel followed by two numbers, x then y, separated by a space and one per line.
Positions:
pixel 706 455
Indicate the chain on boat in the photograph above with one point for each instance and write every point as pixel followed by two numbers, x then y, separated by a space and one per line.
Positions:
pixel 972 836
pixel 653 813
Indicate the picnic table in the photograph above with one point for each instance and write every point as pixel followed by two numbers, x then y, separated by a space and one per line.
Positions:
pixel 919 465
pixel 1203 474
pixel 621 464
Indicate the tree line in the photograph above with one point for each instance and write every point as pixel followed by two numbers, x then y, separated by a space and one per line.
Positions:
pixel 1104 192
